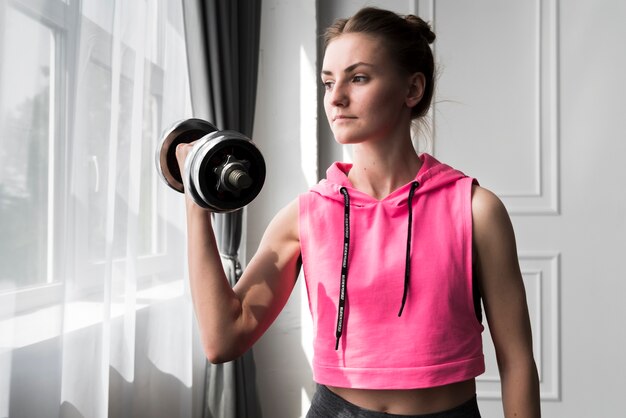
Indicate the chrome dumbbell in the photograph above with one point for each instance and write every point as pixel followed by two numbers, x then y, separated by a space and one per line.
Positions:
pixel 223 172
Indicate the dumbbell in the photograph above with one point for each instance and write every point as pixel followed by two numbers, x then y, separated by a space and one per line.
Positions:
pixel 223 172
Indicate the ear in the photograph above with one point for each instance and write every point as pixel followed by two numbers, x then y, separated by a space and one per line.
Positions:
pixel 417 84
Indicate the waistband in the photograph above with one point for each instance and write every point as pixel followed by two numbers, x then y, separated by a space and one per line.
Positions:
pixel 326 404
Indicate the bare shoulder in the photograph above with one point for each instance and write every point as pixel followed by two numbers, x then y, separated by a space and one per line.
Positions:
pixel 284 225
pixel 494 243
pixel 280 244
pixel 490 218
pixel 486 206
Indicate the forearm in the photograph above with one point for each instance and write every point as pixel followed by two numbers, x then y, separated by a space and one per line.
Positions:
pixel 217 307
pixel 520 390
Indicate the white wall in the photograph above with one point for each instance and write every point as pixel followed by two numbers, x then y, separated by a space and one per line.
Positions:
pixel 285 131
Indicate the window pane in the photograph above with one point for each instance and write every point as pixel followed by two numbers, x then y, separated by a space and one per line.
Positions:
pixel 25 143
pixel 95 102
pixel 92 124
pixel 149 221
pixel 104 79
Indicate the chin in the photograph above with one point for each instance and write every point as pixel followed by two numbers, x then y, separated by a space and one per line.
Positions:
pixel 347 139
pixel 344 142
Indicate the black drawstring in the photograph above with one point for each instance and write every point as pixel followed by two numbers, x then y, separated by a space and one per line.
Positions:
pixel 344 265
pixel 407 262
pixel 344 262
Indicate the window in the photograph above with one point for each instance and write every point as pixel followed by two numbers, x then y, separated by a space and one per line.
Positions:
pixel 27 91
pixel 81 111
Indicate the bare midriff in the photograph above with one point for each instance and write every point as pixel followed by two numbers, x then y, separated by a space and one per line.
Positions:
pixel 410 401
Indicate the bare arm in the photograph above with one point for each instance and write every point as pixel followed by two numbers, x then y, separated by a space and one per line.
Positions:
pixel 232 319
pixel 506 309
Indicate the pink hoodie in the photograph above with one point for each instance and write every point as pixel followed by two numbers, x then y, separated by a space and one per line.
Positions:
pixel 390 281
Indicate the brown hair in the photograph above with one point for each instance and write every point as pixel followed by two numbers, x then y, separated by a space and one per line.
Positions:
pixel 407 37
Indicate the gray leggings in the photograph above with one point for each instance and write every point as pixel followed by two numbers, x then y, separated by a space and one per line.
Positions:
pixel 326 404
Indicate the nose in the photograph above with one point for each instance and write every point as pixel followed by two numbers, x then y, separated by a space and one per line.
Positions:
pixel 338 95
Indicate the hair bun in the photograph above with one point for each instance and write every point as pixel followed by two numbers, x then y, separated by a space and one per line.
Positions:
pixel 422 27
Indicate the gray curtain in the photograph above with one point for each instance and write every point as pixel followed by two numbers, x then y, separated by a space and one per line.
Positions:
pixel 222 49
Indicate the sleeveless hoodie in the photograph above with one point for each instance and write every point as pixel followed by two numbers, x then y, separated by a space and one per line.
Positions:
pixel 390 281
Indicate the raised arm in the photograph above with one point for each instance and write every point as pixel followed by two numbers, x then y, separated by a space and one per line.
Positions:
pixel 506 309
pixel 232 319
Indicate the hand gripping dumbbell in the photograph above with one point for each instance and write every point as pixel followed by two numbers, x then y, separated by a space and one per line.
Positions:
pixel 223 172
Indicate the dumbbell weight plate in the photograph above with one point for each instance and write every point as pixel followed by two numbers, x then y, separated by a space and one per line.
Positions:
pixel 188 169
pixel 211 152
pixel 185 131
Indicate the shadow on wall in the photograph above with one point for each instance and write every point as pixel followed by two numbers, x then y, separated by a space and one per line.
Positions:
pixel 152 394
pixel 69 411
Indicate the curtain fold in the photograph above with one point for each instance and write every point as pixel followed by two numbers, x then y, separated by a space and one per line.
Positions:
pixel 96 317
pixel 223 46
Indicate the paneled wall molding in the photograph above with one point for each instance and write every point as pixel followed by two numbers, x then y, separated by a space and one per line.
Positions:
pixel 424 9
pixel 521 108
pixel 541 273
pixel 544 199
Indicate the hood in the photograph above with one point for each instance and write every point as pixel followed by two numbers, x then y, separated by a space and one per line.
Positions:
pixel 431 176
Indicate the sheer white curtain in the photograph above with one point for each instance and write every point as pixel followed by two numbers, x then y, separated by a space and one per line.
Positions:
pixel 95 314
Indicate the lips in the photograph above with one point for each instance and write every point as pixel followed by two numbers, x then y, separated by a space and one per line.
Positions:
pixel 342 117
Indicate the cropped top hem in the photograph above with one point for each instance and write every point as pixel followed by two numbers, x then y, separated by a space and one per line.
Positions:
pixel 400 377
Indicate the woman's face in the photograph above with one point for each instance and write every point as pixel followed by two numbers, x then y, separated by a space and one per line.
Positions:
pixel 366 94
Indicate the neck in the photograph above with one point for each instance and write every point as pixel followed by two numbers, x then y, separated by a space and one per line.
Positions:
pixel 381 168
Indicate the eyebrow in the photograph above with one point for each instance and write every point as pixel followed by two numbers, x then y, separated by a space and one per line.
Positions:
pixel 349 68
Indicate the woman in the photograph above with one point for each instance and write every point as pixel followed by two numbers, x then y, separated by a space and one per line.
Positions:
pixel 396 248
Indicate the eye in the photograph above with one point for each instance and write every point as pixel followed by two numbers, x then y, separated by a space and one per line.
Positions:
pixel 359 79
pixel 328 84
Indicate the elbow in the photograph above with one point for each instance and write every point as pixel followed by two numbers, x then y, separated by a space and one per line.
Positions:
pixel 215 357
pixel 220 353
pixel 524 370
pixel 222 344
